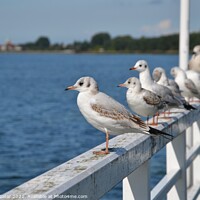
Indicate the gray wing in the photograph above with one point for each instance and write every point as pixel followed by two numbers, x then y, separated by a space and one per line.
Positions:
pixel 151 98
pixel 173 86
pixel 161 90
pixel 191 86
pixel 166 94
pixel 108 107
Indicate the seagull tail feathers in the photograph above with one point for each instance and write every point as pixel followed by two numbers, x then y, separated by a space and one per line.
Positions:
pixel 187 106
pixel 157 132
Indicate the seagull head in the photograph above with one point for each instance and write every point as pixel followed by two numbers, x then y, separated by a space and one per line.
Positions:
pixel 132 82
pixel 140 66
pixel 157 73
pixel 84 84
pixel 196 50
pixel 174 71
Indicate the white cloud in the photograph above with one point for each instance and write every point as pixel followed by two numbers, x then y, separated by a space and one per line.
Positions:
pixel 163 27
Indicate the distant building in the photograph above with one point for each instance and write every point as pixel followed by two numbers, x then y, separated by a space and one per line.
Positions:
pixel 9 46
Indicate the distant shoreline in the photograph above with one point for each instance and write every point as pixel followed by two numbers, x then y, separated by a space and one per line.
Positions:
pixel 89 52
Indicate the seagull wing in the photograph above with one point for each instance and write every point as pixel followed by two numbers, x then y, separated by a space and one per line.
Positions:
pixel 174 85
pixel 106 106
pixel 191 86
pixel 151 98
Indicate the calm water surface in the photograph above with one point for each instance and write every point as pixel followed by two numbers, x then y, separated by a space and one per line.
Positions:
pixel 40 124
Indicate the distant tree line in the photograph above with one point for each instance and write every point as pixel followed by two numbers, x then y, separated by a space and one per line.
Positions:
pixel 42 43
pixel 102 42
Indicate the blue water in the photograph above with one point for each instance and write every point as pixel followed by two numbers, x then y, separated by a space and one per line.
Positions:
pixel 40 124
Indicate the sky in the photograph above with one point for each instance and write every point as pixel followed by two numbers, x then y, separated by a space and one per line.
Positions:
pixel 66 21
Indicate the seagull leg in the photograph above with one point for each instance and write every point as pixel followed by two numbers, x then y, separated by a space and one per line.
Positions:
pixel 169 112
pixel 106 151
pixel 107 141
pixel 166 114
pixel 154 122
pixel 157 115
pixel 194 100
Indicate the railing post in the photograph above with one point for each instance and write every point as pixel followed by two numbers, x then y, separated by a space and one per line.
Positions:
pixel 189 145
pixel 196 162
pixel 176 159
pixel 136 186
pixel 184 34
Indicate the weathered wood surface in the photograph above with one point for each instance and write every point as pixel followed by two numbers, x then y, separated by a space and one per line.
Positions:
pixel 93 176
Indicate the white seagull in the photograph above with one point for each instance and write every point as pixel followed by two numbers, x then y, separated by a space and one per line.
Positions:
pixel 194 63
pixel 161 77
pixel 147 82
pixel 142 101
pixel 195 77
pixel 106 114
pixel 186 85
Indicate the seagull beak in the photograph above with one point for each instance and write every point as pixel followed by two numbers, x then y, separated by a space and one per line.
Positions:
pixel 133 68
pixel 71 88
pixel 121 85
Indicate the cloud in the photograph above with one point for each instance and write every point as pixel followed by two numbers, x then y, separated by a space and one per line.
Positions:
pixel 163 27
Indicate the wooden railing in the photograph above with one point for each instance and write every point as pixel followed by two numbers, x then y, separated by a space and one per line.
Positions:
pixel 88 176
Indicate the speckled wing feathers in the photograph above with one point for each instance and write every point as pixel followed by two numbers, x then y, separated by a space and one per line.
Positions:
pixel 116 115
pixel 151 98
pixel 190 85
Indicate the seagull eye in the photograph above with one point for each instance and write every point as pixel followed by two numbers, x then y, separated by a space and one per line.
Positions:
pixel 129 82
pixel 140 65
pixel 81 83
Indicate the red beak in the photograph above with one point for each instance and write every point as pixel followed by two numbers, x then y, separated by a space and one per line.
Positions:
pixel 71 88
pixel 121 85
pixel 133 68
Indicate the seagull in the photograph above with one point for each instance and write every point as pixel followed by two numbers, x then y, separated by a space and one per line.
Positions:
pixel 195 77
pixel 161 77
pixel 142 101
pixel 106 114
pixel 147 82
pixel 194 63
pixel 186 85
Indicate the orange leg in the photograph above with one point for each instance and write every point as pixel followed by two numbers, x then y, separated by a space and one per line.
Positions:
pixel 194 100
pixel 157 115
pixel 154 122
pixel 106 151
pixel 166 113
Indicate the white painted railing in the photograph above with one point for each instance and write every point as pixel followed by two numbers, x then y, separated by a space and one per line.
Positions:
pixel 88 176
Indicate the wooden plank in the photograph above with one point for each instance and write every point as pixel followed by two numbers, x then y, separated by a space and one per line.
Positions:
pixel 196 163
pixel 166 183
pixel 194 192
pixel 176 159
pixel 192 154
pixel 136 185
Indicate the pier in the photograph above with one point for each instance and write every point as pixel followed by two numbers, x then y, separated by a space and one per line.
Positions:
pixel 89 176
